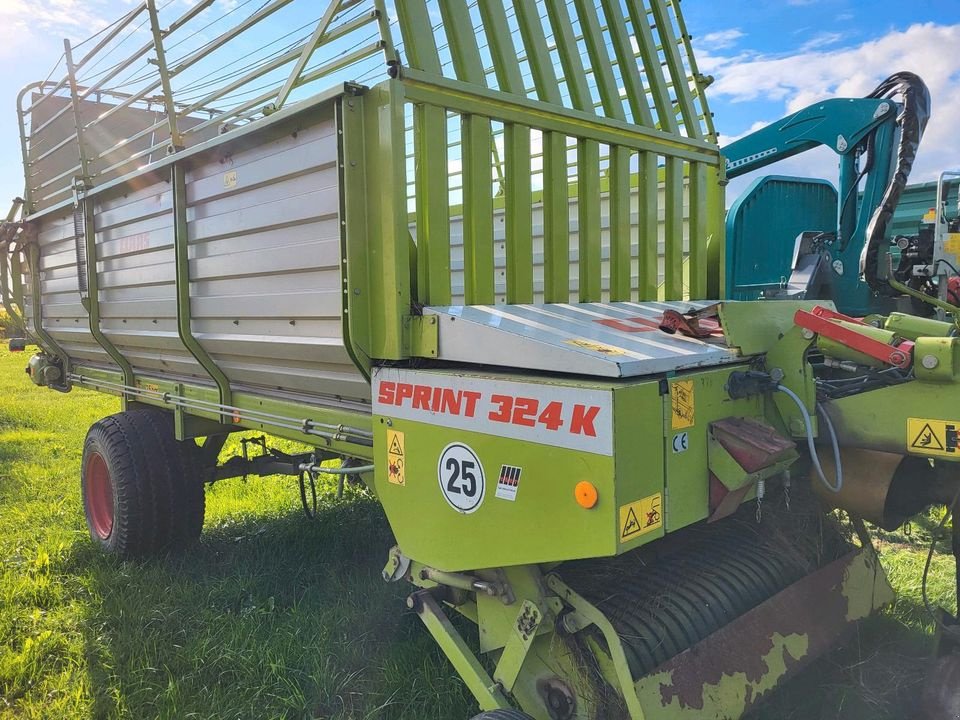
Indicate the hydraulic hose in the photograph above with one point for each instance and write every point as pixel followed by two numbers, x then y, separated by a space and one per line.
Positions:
pixel 814 457
pixel 912 121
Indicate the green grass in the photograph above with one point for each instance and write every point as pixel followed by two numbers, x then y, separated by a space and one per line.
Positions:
pixel 274 616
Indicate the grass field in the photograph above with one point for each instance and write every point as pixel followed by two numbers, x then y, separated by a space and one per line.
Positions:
pixel 275 616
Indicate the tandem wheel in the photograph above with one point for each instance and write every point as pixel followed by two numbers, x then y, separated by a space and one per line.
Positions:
pixel 142 489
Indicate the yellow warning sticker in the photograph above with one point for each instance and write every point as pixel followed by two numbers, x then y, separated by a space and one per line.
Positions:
pixel 952 244
pixel 595 346
pixel 932 437
pixel 681 400
pixel 930 216
pixel 640 517
pixel 396 456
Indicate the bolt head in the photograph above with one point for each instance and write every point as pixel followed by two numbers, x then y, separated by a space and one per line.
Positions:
pixel 930 361
pixel 807 334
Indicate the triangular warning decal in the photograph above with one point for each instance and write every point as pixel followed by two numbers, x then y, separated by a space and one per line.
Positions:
pixel 395 447
pixel 927 439
pixel 631 525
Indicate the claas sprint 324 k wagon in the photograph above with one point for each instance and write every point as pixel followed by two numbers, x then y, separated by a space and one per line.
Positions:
pixel 483 267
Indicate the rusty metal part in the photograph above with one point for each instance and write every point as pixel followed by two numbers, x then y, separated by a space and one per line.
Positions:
pixel 663 602
pixel 699 324
pixel 746 658
pixel 886 488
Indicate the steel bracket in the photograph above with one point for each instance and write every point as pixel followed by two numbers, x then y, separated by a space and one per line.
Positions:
pixel 424 335
pixel 524 630
pixel 488 693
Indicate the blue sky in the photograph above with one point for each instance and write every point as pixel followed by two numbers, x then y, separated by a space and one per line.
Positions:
pixel 768 59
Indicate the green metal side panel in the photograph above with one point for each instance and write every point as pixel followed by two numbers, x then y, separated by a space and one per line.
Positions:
pixel 543 522
pixel 762 226
pixel 914 203
pixel 685 439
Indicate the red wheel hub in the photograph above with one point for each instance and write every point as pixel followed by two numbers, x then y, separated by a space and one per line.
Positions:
pixel 99 495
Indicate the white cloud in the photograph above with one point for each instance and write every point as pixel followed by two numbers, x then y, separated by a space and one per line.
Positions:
pixel 721 39
pixel 821 40
pixel 801 79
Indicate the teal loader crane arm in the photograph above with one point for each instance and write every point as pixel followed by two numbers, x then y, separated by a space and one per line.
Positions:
pixel 867 135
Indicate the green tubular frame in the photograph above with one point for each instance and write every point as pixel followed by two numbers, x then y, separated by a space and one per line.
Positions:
pixel 181 244
pixel 92 301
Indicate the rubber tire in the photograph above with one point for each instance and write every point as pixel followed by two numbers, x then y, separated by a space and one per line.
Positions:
pixel 502 715
pixel 158 497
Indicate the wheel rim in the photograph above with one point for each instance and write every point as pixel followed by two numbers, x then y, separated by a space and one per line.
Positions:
pixel 99 495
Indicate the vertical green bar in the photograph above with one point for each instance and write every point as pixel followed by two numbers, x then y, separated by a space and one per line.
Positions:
pixel 463 41
pixel 678 73
pixel 477 211
pixel 673 230
pixel 519 219
pixel 420 45
pixel 588 208
pixel 716 231
pixel 599 59
pixel 570 61
pixel 649 226
pixel 433 205
pixel 538 55
pixel 619 224
pixel 556 220
pixel 636 94
pixel 387 237
pixel 666 117
pixel 504 54
pixel 698 231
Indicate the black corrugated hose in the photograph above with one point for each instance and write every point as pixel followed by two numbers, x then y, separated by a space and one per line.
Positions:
pixel 912 120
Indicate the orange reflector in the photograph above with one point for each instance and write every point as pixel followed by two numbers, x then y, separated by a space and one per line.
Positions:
pixel 586 494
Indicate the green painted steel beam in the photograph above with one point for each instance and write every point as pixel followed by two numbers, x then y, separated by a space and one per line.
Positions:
pixel 463 659
pixel 181 246
pixel 36 310
pixel 591 615
pixel 92 301
pixel 433 205
pixel 648 255
pixel 657 85
pixel 478 260
pixel 589 221
pixel 566 42
pixel 460 97
pixel 354 261
pixel 556 220
pixel 419 43
pixel 280 417
pixel 673 230
pixel 626 61
pixel 697 230
pixel 387 240
pixel 538 55
pixel 620 251
pixel 176 141
pixel 678 74
pixel 518 216
pixel 462 39
pixel 506 66
pixel 599 59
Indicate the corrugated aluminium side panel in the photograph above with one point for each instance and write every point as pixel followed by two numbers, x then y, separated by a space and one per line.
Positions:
pixel 500 240
pixel 264 232
pixel 137 279
pixel 64 317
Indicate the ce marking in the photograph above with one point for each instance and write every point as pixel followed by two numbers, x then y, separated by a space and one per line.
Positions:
pixel 681 442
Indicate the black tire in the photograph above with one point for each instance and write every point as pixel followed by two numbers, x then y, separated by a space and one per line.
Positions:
pixel 502 715
pixel 141 494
